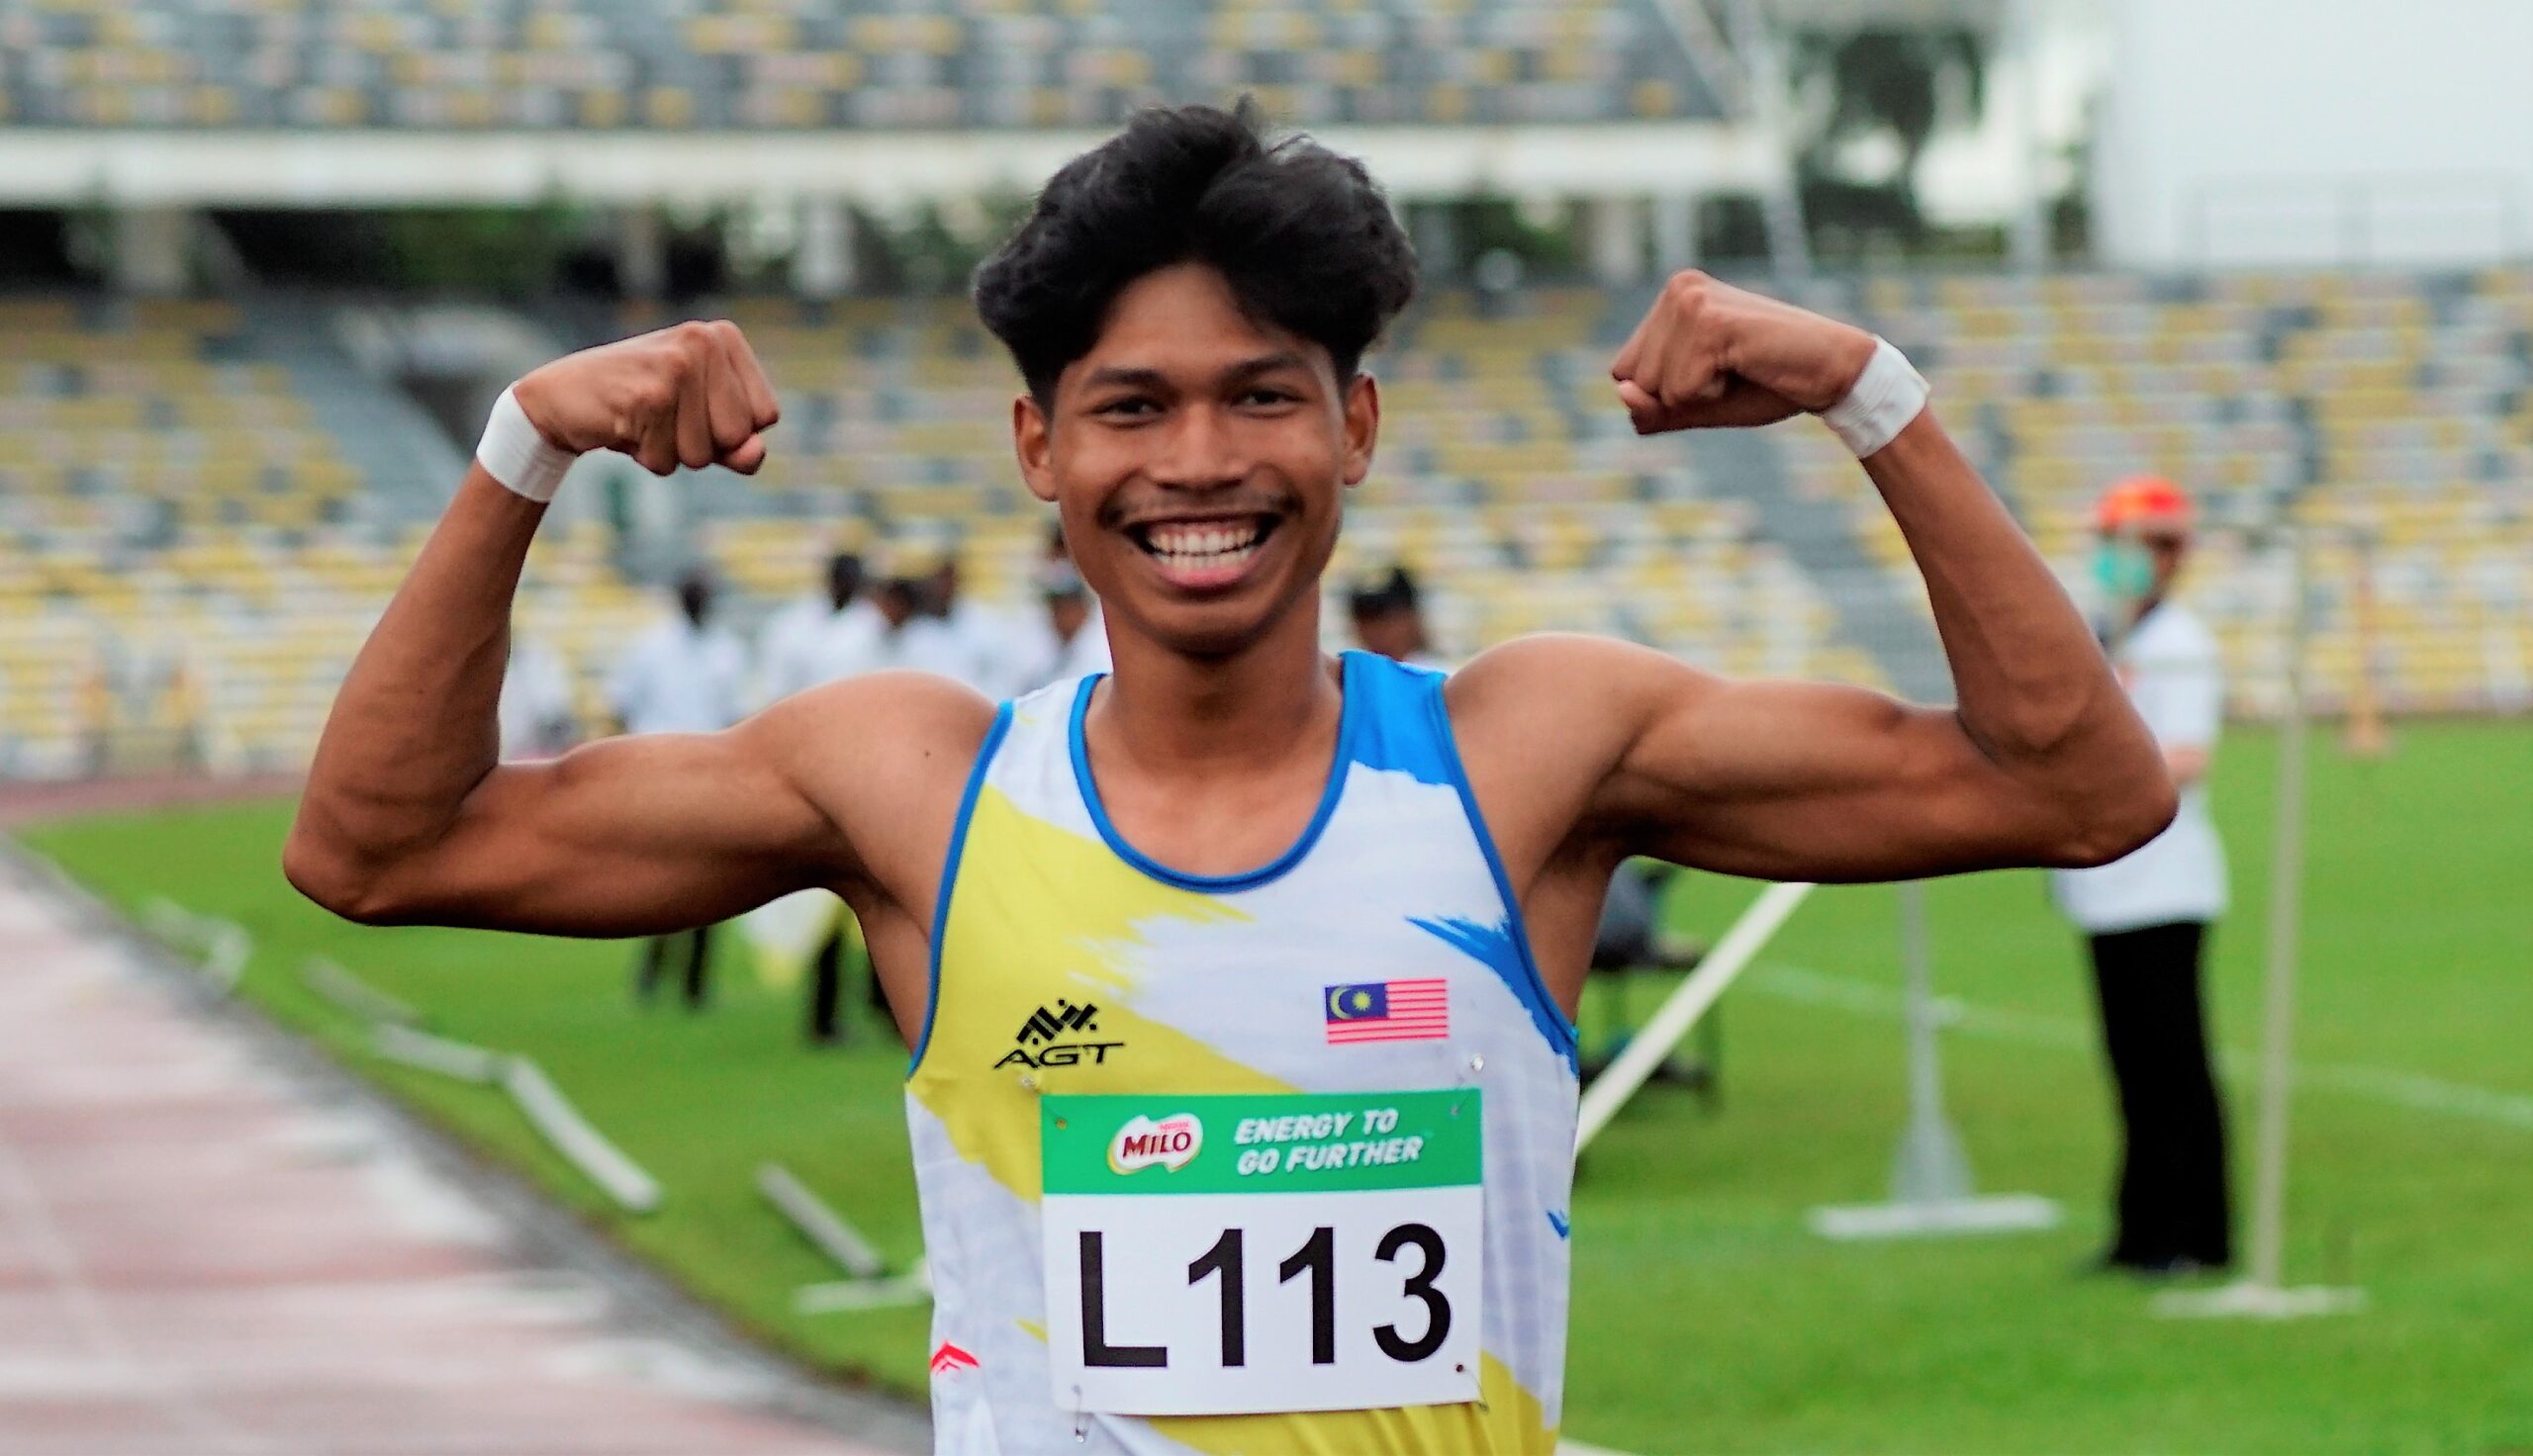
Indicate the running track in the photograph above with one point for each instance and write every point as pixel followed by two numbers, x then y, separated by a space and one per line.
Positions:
pixel 208 1246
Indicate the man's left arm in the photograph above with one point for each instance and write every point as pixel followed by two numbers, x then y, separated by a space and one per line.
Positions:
pixel 2042 761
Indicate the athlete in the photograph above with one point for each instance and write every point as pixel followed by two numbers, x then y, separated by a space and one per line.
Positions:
pixel 1239 979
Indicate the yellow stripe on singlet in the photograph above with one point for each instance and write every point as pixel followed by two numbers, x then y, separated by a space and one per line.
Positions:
pixel 1088 916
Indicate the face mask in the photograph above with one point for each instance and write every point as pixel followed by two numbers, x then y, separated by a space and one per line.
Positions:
pixel 2124 570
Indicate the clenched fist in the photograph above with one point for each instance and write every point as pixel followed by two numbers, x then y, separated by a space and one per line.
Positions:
pixel 1710 355
pixel 690 394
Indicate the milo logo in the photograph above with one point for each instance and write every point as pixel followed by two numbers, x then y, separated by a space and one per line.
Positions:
pixel 1143 1143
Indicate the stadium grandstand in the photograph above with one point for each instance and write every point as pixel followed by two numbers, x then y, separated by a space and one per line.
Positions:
pixel 209 476
pixel 684 66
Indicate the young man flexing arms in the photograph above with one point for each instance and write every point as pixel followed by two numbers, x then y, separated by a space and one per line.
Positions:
pixel 1238 960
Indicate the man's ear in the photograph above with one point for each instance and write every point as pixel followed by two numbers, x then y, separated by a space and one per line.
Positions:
pixel 1362 425
pixel 1033 441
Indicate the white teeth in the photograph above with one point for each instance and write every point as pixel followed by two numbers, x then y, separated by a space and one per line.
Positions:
pixel 1203 545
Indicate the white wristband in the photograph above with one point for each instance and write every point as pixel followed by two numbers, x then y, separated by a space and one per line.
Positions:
pixel 513 453
pixel 1887 395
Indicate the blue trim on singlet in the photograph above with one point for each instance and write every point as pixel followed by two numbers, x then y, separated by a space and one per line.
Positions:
pixel 1395 736
pixel 950 877
pixel 1349 717
pixel 1506 947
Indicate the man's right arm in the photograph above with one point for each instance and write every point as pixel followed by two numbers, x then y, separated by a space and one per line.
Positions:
pixel 410 817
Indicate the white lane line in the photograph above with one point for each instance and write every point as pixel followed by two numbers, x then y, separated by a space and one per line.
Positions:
pixel 2411 1090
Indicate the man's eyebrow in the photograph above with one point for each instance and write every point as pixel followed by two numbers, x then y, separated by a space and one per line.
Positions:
pixel 1119 375
pixel 1125 375
pixel 1263 364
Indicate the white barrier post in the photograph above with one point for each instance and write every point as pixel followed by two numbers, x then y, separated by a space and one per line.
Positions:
pixel 848 1295
pixel 836 1237
pixel 1930 1186
pixel 1680 1011
pixel 458 1059
pixel 2261 1294
pixel 225 952
pixel 351 994
pixel 579 1143
pixel 218 948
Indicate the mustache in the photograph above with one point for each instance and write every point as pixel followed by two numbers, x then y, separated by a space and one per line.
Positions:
pixel 1119 513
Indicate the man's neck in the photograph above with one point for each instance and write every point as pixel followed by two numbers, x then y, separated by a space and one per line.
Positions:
pixel 1168 714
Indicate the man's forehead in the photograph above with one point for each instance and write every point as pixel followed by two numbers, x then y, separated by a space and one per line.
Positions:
pixel 1183 321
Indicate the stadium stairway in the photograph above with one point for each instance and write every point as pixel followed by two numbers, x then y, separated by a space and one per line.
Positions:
pixel 1749 466
pixel 407 460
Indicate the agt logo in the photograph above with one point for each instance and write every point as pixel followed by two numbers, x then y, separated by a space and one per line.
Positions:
pixel 1045 1025
pixel 1143 1143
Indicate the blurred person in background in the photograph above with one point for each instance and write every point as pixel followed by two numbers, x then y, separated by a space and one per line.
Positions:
pixel 1070 641
pixel 682 676
pixel 961 639
pixel 823 637
pixel 2146 917
pixel 185 701
pixel 1389 618
pixel 96 716
pixel 536 716
pixel 903 636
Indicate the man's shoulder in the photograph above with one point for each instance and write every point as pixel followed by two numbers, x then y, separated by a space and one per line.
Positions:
pixel 891 712
pixel 1562 672
pixel 884 738
pixel 1558 702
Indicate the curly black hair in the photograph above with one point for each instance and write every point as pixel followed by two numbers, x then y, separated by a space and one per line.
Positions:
pixel 1304 238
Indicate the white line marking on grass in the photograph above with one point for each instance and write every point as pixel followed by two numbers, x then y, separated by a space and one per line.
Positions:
pixel 2031 1029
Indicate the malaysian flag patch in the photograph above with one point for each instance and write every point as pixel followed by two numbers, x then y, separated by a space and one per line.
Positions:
pixel 1389 1011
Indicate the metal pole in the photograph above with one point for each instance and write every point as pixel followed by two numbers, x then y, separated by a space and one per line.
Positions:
pixel 1929 1168
pixel 2286 881
pixel 2028 239
pixel 2259 1294
pixel 1781 204
pixel 1932 1192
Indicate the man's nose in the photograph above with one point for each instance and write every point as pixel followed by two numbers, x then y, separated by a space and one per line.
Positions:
pixel 1201 450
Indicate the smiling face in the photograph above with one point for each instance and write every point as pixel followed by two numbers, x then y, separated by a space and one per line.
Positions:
pixel 1199 457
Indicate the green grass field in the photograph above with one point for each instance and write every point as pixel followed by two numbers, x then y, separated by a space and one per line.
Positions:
pixel 1705 1316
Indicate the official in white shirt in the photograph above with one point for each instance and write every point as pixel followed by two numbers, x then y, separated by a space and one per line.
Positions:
pixel 1388 613
pixel 961 639
pixel 815 640
pixel 2146 917
pixel 821 638
pixel 682 676
pixel 1070 641
pixel 536 710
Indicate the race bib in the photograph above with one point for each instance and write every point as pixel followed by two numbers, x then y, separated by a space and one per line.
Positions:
pixel 1247 1254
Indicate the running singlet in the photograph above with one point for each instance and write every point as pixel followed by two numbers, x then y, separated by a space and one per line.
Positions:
pixel 1267 1162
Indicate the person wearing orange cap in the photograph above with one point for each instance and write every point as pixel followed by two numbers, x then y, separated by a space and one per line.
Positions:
pixel 2146 916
